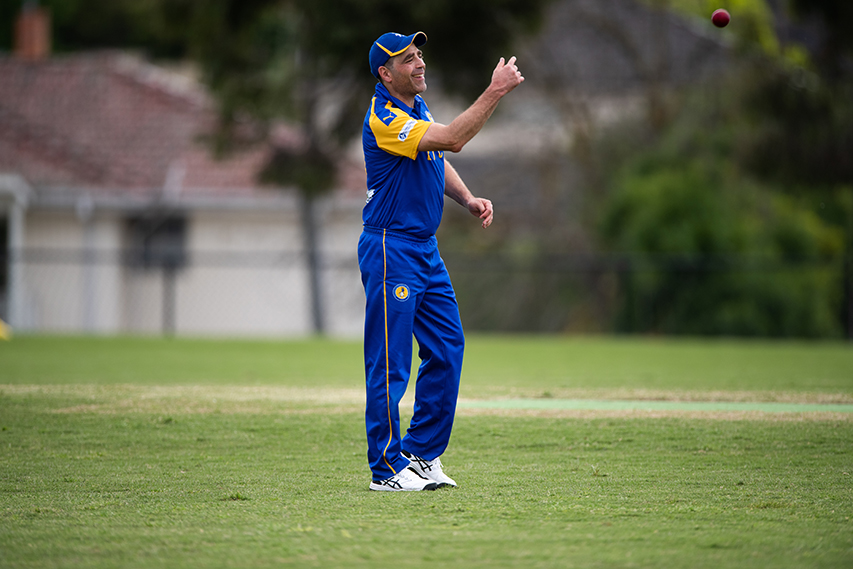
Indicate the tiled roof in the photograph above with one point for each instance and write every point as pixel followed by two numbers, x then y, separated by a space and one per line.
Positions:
pixel 111 123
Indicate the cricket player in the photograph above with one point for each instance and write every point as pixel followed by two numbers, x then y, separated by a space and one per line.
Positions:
pixel 406 284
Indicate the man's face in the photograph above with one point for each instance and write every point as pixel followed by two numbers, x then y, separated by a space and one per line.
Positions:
pixel 407 72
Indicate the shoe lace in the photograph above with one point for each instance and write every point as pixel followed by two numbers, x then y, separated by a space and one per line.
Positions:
pixel 426 464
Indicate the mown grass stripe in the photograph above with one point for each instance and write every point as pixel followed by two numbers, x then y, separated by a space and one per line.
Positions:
pixel 617 405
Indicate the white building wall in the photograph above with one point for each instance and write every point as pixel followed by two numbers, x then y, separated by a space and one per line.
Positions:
pixel 141 306
pixel 252 278
pixel 246 274
pixel 103 293
pixel 71 274
pixel 342 288
pixel 51 279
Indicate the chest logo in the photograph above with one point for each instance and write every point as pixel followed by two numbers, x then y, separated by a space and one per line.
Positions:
pixel 401 292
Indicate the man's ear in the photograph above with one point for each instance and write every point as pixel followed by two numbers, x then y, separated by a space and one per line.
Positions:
pixel 384 74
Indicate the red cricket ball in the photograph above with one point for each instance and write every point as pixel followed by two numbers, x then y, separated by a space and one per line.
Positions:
pixel 721 18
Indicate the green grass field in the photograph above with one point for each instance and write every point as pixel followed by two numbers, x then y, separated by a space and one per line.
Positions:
pixel 205 453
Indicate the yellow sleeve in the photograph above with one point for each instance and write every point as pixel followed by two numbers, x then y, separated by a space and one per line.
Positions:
pixel 396 132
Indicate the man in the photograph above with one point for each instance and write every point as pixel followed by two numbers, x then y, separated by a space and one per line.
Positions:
pixel 405 281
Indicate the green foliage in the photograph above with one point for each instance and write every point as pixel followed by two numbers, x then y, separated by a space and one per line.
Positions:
pixel 836 17
pixel 802 127
pixel 721 252
pixel 741 206
pixel 747 263
pixel 156 26
pixel 692 208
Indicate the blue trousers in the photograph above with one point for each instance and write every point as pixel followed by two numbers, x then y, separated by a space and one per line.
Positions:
pixel 408 294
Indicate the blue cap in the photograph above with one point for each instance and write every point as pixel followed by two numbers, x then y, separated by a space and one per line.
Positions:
pixel 391 44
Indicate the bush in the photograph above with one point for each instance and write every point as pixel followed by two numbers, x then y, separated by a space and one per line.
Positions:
pixel 716 253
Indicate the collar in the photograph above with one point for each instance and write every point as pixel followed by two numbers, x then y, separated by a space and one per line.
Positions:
pixel 383 91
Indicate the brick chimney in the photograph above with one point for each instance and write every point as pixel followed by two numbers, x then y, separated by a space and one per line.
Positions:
pixel 32 32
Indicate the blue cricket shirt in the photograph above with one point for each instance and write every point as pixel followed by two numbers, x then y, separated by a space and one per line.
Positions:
pixel 405 187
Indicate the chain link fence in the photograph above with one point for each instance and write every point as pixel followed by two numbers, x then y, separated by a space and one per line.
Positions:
pixel 244 293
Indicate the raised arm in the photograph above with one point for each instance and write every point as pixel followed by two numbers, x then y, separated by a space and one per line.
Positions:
pixel 458 133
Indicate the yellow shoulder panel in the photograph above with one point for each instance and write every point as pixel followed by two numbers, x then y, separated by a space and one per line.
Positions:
pixel 396 132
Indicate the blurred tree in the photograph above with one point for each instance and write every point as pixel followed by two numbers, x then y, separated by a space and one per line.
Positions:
pixel 753 174
pixel 262 58
pixel 834 53
pixel 802 107
pixel 155 26
pixel 304 61
pixel 802 123
pixel 752 25
pixel 720 254
pixel 802 114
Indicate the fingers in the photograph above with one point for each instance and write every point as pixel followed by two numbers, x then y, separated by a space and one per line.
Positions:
pixel 508 71
pixel 510 63
pixel 483 209
pixel 487 214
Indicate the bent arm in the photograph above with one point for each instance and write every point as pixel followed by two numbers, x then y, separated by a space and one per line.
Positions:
pixel 458 133
pixel 455 189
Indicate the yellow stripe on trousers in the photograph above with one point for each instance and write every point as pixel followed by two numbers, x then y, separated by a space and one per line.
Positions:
pixel 387 373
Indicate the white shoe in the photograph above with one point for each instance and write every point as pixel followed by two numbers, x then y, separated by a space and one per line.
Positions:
pixel 407 480
pixel 429 469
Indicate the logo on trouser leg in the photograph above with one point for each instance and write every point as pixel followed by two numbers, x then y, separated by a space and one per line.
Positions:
pixel 401 292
